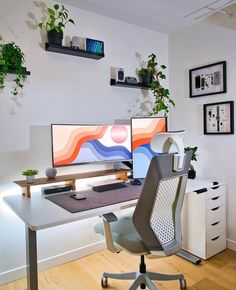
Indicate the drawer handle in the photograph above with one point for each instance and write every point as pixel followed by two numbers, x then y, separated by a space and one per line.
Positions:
pixel 198 191
pixel 215 208
pixel 215 198
pixel 214 224
pixel 216 238
pixel 215 183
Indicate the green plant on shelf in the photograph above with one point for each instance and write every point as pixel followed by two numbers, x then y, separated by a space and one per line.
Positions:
pixel 57 19
pixel 12 59
pixel 30 172
pixel 161 94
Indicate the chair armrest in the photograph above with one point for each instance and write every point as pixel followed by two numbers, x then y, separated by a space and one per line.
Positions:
pixel 107 219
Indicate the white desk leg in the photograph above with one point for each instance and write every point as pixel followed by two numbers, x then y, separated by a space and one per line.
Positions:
pixel 31 259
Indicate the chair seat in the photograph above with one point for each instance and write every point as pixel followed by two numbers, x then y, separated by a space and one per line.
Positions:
pixel 125 235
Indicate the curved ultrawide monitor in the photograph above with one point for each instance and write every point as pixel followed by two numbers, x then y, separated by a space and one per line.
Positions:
pixel 79 144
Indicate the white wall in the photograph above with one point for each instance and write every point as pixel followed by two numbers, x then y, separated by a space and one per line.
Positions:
pixel 195 46
pixel 61 89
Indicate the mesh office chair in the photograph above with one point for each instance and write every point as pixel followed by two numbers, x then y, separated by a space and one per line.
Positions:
pixel 154 228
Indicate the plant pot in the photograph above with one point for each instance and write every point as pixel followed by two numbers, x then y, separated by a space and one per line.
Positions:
pixel 191 174
pixel 146 79
pixel 55 37
pixel 30 178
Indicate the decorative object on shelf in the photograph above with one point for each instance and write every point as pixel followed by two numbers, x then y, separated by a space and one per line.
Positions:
pixel 208 80
pixel 75 42
pixel 128 84
pixel 219 118
pixel 95 46
pixel 163 100
pixel 192 171
pixel 51 172
pixel 131 80
pixel 145 75
pixel 30 174
pixel 117 74
pixel 12 60
pixel 56 22
pixel 71 51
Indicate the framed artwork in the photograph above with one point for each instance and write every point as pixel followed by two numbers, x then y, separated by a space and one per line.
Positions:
pixel 219 118
pixel 208 80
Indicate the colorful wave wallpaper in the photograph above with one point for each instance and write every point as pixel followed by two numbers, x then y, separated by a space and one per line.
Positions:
pixel 143 129
pixel 75 144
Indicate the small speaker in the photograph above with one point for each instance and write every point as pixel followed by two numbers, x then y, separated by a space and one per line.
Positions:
pixel 51 172
pixel 117 74
pixel 75 42
pixel 56 189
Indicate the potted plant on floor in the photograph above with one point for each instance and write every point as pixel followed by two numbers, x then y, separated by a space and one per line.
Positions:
pixel 192 171
pixel 162 96
pixel 55 23
pixel 30 174
pixel 12 60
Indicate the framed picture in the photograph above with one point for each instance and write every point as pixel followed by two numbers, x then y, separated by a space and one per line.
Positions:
pixel 208 80
pixel 219 118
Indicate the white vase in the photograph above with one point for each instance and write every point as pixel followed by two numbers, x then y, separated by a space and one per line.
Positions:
pixel 30 178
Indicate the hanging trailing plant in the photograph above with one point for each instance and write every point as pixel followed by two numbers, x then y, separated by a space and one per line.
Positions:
pixel 12 60
pixel 162 95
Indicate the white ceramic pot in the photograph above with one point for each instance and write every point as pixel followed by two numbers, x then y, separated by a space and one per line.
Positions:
pixel 30 178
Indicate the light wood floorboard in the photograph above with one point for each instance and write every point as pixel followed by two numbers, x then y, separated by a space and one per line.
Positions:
pixel 217 273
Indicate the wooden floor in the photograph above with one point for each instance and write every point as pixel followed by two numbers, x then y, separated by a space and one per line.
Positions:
pixel 218 273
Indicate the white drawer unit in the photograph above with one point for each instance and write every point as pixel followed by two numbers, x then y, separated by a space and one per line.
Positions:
pixel 204 218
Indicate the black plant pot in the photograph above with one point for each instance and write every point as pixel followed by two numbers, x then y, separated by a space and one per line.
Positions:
pixel 191 174
pixel 55 37
pixel 146 79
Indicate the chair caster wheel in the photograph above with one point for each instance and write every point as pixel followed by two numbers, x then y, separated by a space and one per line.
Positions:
pixel 104 282
pixel 183 284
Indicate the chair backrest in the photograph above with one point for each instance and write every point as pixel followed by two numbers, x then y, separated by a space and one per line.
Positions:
pixel 157 216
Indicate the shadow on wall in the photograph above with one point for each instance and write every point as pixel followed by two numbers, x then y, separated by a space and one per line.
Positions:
pixel 37 156
pixel 32 21
pixel 142 104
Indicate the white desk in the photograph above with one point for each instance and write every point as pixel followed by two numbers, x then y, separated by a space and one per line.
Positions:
pixel 39 213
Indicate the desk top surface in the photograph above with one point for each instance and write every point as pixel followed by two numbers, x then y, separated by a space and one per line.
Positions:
pixel 39 213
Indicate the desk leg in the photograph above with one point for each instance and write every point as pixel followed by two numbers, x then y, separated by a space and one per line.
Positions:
pixel 31 259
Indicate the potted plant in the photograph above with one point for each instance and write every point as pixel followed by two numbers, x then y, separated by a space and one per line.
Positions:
pixel 192 171
pixel 12 60
pixel 56 21
pixel 163 100
pixel 144 75
pixel 30 174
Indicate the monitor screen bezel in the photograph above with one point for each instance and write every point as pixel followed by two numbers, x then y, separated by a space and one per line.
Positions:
pixel 89 162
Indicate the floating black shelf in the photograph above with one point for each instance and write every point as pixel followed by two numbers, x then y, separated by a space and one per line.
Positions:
pixel 129 85
pixel 12 71
pixel 72 51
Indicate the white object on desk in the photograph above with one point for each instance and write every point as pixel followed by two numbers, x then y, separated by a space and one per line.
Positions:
pixel 204 219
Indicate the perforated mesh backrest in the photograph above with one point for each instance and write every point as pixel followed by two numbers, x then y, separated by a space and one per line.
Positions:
pixel 162 216
pixel 157 216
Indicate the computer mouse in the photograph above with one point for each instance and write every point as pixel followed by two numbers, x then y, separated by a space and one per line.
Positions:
pixel 135 181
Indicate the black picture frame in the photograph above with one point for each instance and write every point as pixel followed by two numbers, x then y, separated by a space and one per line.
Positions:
pixel 218 118
pixel 208 80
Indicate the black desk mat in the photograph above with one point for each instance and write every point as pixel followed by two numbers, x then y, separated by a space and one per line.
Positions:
pixel 96 199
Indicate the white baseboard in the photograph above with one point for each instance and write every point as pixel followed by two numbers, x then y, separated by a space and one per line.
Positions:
pixel 20 272
pixel 231 244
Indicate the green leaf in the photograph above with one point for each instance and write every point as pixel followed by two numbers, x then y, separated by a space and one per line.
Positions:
pixel 72 21
pixel 56 6
pixel 51 11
